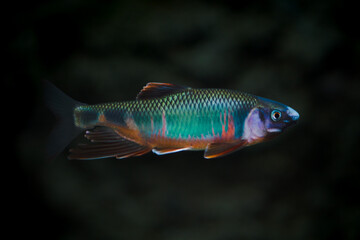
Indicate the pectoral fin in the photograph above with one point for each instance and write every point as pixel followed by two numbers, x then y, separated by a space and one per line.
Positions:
pixel 214 150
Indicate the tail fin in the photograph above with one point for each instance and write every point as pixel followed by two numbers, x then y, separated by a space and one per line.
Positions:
pixel 65 130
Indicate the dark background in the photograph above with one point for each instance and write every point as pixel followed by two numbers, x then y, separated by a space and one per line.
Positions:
pixel 302 185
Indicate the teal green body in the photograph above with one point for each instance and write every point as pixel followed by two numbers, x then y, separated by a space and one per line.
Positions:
pixel 188 114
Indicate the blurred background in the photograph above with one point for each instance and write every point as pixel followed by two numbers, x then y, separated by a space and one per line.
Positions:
pixel 302 185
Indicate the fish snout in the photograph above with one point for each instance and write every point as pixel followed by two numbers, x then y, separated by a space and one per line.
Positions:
pixel 293 115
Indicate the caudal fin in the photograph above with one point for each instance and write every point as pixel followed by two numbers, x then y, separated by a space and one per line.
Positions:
pixel 65 130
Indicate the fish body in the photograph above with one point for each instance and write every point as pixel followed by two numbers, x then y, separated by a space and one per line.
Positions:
pixel 167 118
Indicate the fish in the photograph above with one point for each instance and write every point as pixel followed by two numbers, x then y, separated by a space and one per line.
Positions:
pixel 166 118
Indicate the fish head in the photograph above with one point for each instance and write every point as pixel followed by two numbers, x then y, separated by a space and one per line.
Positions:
pixel 276 116
pixel 268 119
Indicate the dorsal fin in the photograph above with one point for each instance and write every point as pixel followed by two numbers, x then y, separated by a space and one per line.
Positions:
pixel 155 90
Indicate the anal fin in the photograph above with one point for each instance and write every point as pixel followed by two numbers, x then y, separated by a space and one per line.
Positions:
pixel 106 143
pixel 102 135
pixel 214 150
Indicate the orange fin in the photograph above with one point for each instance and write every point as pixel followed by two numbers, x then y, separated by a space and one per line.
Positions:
pixel 214 150
pixel 106 143
pixel 162 151
pixel 154 90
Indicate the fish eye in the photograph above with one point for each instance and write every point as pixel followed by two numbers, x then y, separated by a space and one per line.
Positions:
pixel 275 115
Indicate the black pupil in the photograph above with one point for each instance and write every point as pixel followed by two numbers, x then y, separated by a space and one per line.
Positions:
pixel 276 115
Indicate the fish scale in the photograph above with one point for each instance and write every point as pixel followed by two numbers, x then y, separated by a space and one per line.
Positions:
pixel 194 113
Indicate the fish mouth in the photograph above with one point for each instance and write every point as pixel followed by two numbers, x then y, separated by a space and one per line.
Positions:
pixel 290 122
